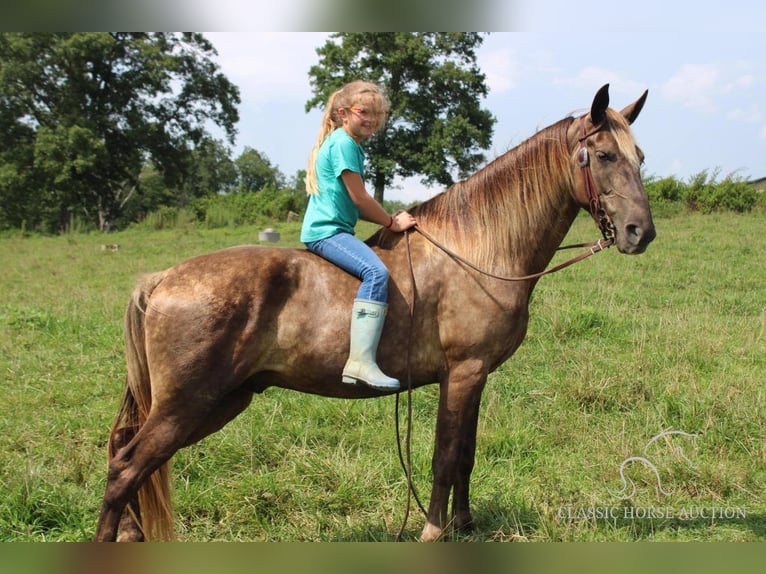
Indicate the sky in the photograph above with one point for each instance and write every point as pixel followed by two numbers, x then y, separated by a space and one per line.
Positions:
pixel 705 71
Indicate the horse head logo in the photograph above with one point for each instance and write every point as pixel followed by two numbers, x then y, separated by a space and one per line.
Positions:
pixel 628 489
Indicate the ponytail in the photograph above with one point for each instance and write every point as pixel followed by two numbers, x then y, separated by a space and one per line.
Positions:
pixel 330 122
pixel 350 94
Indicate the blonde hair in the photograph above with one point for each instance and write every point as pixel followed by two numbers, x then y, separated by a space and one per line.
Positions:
pixel 354 93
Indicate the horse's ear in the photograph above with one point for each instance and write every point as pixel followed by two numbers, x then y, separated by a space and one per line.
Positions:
pixel 600 104
pixel 631 112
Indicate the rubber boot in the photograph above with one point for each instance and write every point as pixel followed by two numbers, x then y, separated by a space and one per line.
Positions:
pixel 366 326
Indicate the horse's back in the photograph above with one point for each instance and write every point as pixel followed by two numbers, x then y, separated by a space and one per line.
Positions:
pixel 251 312
pixel 270 276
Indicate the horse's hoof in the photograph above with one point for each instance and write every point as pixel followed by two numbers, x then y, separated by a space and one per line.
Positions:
pixel 431 533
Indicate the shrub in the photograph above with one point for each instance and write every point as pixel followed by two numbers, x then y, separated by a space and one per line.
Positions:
pixel 665 189
pixel 218 215
pixel 732 195
pixel 248 208
pixel 169 217
pixel 707 195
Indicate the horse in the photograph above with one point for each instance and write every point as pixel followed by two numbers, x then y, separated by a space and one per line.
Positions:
pixel 205 335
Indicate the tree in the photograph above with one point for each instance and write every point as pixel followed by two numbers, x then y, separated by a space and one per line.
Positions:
pixel 82 113
pixel 256 172
pixel 210 171
pixel 297 183
pixel 436 126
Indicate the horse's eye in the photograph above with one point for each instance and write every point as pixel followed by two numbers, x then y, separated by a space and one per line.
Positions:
pixel 604 156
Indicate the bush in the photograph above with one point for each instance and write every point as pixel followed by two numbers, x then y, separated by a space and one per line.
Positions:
pixel 248 208
pixel 168 217
pixel 707 195
pixel 704 192
pixel 218 214
pixel 665 189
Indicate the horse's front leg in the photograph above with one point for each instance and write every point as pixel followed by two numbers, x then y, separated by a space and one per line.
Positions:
pixel 455 446
pixel 461 512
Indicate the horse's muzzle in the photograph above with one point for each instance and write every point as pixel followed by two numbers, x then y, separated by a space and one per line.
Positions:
pixel 636 238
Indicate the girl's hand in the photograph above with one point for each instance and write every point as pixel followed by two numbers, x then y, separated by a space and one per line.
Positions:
pixel 402 221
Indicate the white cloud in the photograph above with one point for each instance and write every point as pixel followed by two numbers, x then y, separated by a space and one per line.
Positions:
pixel 268 66
pixel 587 77
pixel 694 86
pixel 501 69
pixel 750 115
pixel 743 82
pixel 675 166
pixel 591 76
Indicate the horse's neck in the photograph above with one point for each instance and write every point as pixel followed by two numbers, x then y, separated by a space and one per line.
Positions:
pixel 527 204
pixel 526 237
pixel 511 216
pixel 546 235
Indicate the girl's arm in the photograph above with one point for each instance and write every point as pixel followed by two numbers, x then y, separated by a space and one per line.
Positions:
pixel 371 210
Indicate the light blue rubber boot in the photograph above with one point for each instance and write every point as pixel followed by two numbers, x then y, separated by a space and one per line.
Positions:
pixel 366 326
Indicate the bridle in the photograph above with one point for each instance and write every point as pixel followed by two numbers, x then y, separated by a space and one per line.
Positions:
pixel 597 211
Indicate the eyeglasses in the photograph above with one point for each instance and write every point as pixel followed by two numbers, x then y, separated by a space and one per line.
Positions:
pixel 365 113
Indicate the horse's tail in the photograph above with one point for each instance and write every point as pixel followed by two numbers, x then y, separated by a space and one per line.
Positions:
pixel 154 496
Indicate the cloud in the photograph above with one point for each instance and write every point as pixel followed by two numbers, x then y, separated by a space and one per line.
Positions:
pixel 741 82
pixel 749 115
pixel 693 86
pixel 501 69
pixel 591 76
pixel 675 166
pixel 268 66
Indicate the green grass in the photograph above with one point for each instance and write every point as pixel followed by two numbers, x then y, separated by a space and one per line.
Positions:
pixel 619 349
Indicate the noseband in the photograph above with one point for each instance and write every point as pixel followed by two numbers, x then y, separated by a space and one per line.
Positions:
pixel 597 211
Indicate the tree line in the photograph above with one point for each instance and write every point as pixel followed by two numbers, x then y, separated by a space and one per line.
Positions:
pixel 705 192
pixel 103 128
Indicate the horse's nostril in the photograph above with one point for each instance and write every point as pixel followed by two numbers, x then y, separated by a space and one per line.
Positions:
pixel 637 234
pixel 634 231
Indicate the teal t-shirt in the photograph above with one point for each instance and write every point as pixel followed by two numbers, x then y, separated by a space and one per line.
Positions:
pixel 331 211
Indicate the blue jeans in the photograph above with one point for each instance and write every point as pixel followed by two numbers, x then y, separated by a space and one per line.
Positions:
pixel 355 257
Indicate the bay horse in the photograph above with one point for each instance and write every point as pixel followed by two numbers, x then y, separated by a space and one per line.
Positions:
pixel 205 335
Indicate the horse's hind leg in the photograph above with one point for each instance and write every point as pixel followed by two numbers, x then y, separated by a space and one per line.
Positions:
pixel 151 448
pixel 130 524
pixel 154 444
pixel 225 411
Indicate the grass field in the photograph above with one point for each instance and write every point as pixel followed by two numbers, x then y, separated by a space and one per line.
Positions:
pixel 619 350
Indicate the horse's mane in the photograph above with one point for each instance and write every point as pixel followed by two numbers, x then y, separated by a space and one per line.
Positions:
pixel 493 210
pixel 499 208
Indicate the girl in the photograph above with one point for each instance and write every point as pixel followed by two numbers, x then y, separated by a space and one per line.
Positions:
pixel 337 199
